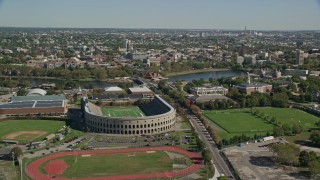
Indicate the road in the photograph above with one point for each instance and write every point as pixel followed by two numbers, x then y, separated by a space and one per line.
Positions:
pixel 218 159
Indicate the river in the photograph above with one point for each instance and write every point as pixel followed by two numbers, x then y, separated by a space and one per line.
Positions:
pixel 98 84
pixel 205 75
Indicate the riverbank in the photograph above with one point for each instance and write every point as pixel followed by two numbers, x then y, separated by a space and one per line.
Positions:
pixel 195 71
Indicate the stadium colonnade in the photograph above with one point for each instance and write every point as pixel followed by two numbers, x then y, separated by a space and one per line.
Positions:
pixel 160 118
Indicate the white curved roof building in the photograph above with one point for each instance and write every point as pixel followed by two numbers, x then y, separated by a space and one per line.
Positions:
pixel 37 92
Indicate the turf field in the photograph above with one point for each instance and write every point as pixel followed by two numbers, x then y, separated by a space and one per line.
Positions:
pixel 233 121
pixel 291 116
pixel 16 126
pixel 116 164
pixel 241 121
pixel 120 111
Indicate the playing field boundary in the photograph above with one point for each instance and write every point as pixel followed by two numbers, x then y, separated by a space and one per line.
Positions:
pixel 33 171
pixel 234 132
pixel 208 119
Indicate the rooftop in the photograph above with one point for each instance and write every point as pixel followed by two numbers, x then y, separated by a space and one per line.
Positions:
pixel 139 89
pixel 38 98
pixel 255 84
pixel 113 89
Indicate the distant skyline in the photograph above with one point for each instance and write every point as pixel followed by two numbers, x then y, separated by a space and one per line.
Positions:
pixel 164 14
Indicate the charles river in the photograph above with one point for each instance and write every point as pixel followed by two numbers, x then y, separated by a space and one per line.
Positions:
pixel 185 77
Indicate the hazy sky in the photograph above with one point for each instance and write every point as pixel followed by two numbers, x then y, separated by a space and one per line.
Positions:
pixel 196 14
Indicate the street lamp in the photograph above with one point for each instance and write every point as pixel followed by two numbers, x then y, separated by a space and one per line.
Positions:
pixel 21 166
pixel 12 157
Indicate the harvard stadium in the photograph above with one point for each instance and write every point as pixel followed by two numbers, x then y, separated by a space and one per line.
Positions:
pixel 155 117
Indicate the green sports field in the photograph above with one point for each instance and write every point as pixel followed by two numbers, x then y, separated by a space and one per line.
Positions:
pixel 16 126
pixel 241 121
pixel 238 122
pixel 120 111
pixel 116 164
pixel 291 116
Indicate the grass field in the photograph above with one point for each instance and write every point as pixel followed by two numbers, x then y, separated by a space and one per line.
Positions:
pixel 291 116
pixel 238 122
pixel 116 164
pixel 119 111
pixel 12 126
pixel 241 121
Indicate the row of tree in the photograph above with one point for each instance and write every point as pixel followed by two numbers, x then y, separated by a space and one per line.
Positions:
pixel 289 154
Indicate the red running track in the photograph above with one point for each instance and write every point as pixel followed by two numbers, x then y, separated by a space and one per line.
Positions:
pixel 33 168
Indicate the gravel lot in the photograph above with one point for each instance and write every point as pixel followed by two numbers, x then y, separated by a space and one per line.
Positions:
pixel 254 161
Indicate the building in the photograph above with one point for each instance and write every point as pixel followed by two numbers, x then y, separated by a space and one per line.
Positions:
pixel 253 87
pixel 269 73
pixel 145 91
pixel 116 98
pixel 160 117
pixel 208 97
pixel 73 63
pixel 113 90
pixel 299 57
pixel 128 45
pixel 34 105
pixel 36 92
pixel 154 76
pixel 48 86
pixel 209 90
pixel 240 60
pixel 296 72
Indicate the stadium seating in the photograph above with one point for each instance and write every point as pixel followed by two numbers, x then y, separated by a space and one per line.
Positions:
pixel 154 107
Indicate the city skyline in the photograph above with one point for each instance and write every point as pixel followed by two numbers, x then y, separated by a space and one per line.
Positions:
pixel 165 14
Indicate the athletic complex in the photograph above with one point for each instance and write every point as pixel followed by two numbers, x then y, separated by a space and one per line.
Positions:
pixel 53 166
pixel 155 117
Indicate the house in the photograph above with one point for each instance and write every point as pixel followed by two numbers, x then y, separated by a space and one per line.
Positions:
pixel 154 76
pixel 73 63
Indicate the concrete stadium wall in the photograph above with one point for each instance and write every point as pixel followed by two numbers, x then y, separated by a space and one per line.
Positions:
pixel 147 125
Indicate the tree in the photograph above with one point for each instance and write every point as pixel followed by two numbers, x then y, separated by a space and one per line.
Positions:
pixel 296 128
pixel 287 129
pixel 286 153
pixel 98 103
pixel 306 157
pixel 280 100
pixel 314 167
pixel 22 92
pixel 100 74
pixel 273 120
pixel 315 137
pixel 16 152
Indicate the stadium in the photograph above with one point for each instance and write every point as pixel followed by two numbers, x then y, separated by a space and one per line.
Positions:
pixel 154 117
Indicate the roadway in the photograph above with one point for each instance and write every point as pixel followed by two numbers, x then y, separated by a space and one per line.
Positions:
pixel 219 160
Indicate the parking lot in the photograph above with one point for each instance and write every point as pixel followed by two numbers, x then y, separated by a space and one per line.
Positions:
pixel 103 140
pixel 254 161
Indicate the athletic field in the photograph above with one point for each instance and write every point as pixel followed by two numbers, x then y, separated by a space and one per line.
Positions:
pixel 241 121
pixel 28 130
pixel 238 122
pixel 291 116
pixel 128 163
pixel 121 111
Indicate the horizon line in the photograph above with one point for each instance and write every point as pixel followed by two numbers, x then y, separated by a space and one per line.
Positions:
pixel 145 28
